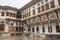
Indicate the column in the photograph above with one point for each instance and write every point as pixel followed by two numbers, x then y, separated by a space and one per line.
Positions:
pixel 46 28
pixel 40 28
pixel 31 30
pixel 53 27
pixel 22 15
pixel 5 14
pixel 35 29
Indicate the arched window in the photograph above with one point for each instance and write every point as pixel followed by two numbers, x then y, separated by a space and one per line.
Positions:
pixel 11 24
pixel 48 29
pixel 57 27
pixel 43 29
pixel 51 28
pixel 37 29
pixel 32 29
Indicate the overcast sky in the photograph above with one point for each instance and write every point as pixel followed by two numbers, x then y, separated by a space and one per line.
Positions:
pixel 14 3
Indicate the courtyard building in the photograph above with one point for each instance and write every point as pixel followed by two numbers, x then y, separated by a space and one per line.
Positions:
pixel 9 24
pixel 37 20
pixel 42 18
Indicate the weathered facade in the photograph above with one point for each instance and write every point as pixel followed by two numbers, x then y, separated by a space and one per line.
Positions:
pixel 42 18
pixel 9 24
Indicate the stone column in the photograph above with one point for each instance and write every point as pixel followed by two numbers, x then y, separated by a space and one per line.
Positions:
pixel 31 29
pixel 46 28
pixel 40 28
pixel 5 14
pixel 53 27
pixel 35 29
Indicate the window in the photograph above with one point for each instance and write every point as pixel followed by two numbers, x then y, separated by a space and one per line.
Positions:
pixel 38 4
pixel 29 9
pixel 2 21
pixel 42 2
pixel 29 14
pixel 14 15
pixel 39 10
pixel 7 14
pixel 17 23
pixel 33 7
pixel 57 27
pixel 11 24
pixel 51 28
pixel 48 29
pixel 43 29
pixel 26 14
pixel 33 12
pixel 52 4
pixel 28 29
pixel 10 14
pixel 20 29
pixel 42 7
pixel 32 29
pixel 47 6
pixel 17 29
pixel 2 14
pixel 37 29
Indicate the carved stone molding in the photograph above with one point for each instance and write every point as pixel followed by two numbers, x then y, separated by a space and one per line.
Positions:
pixel 44 18
pixel 37 19
pixel 52 16
pixel 31 20
pixel 28 21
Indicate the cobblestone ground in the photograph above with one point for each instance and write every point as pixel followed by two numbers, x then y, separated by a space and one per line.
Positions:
pixel 21 38
pixel 11 38
pixel 31 37
pixel 25 38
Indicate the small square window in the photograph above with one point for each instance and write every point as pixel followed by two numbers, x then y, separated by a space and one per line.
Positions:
pixel 33 7
pixel 38 4
pixel 11 23
pixel 2 22
pixel 42 2
pixel 29 9
pixel 28 29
